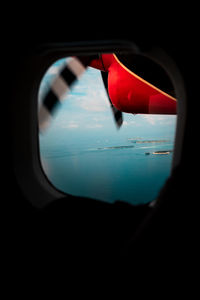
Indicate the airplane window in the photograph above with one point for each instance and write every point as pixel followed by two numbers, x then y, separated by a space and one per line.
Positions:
pixel 91 148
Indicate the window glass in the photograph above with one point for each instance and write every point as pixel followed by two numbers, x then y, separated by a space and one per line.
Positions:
pixel 84 154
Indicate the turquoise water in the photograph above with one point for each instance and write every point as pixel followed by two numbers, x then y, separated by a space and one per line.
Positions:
pixel 125 170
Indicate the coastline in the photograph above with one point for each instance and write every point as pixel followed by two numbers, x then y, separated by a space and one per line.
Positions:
pixel 147 141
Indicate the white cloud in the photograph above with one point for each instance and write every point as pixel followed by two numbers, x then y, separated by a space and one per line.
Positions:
pixel 73 125
pixel 125 123
pixel 93 126
pixel 68 125
pixel 150 119
pixel 159 119
pixel 95 100
pixel 129 123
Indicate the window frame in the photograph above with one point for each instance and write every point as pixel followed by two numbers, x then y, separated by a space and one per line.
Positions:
pixel 29 172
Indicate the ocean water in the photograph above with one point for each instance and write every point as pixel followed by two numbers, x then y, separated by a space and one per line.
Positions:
pixel 126 169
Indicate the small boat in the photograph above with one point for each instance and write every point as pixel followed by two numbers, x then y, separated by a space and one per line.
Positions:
pixel 161 152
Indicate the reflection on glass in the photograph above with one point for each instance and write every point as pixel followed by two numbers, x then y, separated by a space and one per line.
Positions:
pixel 84 154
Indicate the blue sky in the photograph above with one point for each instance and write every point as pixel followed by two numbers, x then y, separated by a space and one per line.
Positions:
pixel 86 110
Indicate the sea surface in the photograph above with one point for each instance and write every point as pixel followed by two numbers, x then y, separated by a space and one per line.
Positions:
pixel 125 169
